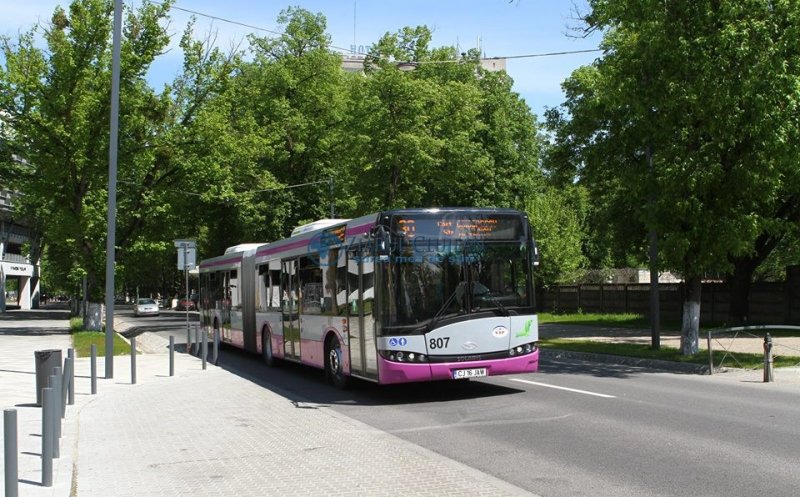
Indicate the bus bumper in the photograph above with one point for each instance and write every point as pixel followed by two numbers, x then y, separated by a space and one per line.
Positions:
pixel 402 372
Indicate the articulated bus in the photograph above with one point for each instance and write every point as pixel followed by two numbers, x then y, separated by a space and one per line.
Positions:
pixel 405 295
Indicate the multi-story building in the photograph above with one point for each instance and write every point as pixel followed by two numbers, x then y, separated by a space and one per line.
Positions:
pixel 15 265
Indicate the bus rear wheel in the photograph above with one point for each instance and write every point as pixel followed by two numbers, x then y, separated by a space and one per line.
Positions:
pixel 334 371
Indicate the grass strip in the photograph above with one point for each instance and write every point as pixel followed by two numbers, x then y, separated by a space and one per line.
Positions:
pixel 594 319
pixel 745 360
pixel 82 341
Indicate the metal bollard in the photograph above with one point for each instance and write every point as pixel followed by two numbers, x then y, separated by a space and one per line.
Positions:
pixel 94 369
pixel 11 452
pixel 215 358
pixel 172 355
pixel 768 359
pixel 59 386
pixel 48 428
pixel 65 386
pixel 204 351
pixel 71 358
pixel 133 360
pixel 191 340
pixel 55 415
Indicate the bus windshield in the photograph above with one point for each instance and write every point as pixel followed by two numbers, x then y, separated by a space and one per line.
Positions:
pixel 432 279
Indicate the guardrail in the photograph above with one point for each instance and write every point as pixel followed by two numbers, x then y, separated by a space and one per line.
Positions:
pixel 731 334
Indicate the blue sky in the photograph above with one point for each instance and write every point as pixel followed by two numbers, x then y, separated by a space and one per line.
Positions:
pixel 502 27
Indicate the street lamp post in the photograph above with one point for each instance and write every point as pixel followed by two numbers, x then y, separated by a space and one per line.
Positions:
pixel 112 189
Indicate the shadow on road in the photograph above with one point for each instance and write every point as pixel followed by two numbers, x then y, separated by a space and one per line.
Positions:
pixel 304 386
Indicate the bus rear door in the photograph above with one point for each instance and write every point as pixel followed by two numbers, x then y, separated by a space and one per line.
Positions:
pixel 290 310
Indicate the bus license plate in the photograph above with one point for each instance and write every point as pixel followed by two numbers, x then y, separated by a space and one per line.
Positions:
pixel 469 373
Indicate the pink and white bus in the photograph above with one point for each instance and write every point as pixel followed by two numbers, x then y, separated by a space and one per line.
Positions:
pixel 405 295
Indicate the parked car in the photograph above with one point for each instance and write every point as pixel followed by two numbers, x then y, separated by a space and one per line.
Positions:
pixel 146 307
pixel 185 305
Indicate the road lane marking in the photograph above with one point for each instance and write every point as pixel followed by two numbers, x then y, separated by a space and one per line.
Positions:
pixel 575 390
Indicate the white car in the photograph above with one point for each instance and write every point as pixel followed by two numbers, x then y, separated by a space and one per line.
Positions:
pixel 146 307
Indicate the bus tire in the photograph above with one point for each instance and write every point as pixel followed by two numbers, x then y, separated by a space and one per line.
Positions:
pixel 266 349
pixel 334 371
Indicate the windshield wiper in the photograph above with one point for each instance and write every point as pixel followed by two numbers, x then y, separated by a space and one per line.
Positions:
pixel 440 313
pixel 503 310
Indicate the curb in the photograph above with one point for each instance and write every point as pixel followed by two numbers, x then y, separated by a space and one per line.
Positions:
pixel 654 364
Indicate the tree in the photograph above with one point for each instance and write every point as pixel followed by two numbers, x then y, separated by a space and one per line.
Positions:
pixel 288 105
pixel 57 101
pixel 558 233
pixel 446 134
pixel 708 87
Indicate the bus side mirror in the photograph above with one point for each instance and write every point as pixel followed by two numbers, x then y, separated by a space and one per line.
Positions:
pixel 382 241
pixel 535 258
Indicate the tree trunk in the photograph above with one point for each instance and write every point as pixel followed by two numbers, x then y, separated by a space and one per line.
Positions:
pixel 739 283
pixel 93 321
pixel 690 327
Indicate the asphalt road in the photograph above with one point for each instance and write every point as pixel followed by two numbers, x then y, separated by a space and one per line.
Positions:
pixel 578 428
pixel 168 322
pixel 619 431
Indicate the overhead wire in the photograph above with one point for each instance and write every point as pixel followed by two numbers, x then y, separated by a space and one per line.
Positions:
pixel 347 50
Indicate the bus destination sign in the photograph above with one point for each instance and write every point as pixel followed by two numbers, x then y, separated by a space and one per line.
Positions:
pixel 461 226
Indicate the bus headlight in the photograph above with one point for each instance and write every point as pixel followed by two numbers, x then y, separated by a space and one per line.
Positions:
pixel 403 356
pixel 522 349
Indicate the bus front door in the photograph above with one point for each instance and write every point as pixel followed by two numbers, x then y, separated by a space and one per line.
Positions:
pixel 290 310
pixel 360 291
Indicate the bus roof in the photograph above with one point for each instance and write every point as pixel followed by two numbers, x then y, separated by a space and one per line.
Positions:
pixel 317 225
pixel 242 247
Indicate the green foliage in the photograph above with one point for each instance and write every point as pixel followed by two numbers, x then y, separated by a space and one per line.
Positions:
pixel 217 154
pixel 558 233
pixel 446 134
pixel 709 89
pixel 57 102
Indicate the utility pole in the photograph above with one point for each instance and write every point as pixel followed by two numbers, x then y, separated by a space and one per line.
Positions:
pixel 112 188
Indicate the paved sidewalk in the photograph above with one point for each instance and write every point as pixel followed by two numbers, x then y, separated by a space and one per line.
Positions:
pixel 206 433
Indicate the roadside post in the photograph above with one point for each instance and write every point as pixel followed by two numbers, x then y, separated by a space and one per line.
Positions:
pixel 71 380
pixel 172 355
pixel 204 349
pixel 133 360
pixel 10 453
pixel 94 369
pixel 187 256
pixel 216 347
pixel 768 359
pixel 48 429
pixel 55 417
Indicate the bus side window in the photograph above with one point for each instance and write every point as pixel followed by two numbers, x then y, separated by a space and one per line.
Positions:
pixel 310 276
pixel 262 288
pixel 274 303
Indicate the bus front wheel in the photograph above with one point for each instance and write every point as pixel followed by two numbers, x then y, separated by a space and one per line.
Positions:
pixel 334 371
